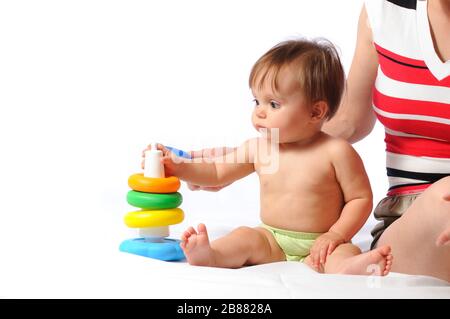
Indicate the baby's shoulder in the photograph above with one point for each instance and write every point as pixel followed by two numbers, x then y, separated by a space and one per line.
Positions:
pixel 337 147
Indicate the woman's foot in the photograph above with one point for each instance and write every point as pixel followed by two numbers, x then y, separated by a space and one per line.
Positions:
pixel 196 247
pixel 376 262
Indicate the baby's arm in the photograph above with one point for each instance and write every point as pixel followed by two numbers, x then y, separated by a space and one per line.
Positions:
pixel 211 172
pixel 355 186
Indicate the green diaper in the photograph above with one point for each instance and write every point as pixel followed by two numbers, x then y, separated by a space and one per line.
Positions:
pixel 295 245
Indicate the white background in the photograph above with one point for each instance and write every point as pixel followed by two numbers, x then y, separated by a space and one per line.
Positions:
pixel 86 85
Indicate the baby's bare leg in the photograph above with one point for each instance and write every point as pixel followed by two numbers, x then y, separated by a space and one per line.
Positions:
pixel 243 246
pixel 348 259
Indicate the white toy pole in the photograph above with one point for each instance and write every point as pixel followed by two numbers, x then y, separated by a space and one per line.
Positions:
pixel 153 166
pixel 154 232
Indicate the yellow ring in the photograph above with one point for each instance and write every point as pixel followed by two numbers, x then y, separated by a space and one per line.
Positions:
pixel 140 183
pixel 154 218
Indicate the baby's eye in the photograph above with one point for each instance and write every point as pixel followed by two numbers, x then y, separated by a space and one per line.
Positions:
pixel 275 105
pixel 256 102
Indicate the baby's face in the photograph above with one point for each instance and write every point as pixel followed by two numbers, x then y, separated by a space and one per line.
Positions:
pixel 285 109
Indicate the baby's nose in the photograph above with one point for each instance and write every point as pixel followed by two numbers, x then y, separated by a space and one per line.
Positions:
pixel 260 112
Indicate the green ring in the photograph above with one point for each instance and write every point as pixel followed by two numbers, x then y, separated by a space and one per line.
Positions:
pixel 153 200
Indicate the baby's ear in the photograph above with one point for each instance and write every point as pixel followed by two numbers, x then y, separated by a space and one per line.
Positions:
pixel 319 111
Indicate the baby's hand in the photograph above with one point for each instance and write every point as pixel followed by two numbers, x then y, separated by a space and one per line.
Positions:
pixel 169 160
pixel 324 246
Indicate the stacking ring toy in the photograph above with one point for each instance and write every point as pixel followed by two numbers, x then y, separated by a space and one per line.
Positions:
pixel 154 218
pixel 140 183
pixel 154 201
pixel 166 249
pixel 154 232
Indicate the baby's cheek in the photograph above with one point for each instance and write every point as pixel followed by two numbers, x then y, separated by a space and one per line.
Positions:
pixel 253 118
pixel 285 126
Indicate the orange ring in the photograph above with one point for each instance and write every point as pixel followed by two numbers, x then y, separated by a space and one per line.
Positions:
pixel 140 183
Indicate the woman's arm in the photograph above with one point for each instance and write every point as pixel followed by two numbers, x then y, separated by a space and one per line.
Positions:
pixel 355 117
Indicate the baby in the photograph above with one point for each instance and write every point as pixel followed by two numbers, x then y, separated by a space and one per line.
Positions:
pixel 316 194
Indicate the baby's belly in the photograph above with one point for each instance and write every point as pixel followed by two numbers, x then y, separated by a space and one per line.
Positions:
pixel 303 215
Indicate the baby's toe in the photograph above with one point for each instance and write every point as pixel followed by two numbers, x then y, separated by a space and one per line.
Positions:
pixel 185 236
pixel 191 230
pixel 190 244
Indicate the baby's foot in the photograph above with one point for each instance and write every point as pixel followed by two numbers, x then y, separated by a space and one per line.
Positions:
pixel 196 247
pixel 376 262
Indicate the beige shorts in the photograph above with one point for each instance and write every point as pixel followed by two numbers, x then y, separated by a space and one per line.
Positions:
pixel 388 210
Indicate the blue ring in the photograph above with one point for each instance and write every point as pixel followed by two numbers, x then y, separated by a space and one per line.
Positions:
pixel 179 153
pixel 167 250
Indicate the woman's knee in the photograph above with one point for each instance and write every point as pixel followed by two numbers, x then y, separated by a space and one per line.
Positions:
pixel 439 194
pixel 431 210
pixel 441 187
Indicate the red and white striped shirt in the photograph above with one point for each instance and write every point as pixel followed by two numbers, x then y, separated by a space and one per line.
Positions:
pixel 411 95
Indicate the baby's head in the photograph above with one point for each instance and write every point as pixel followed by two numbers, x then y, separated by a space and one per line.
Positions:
pixel 297 85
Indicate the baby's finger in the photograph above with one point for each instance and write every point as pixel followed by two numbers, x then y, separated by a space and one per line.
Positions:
pixel 323 254
pixel 193 187
pixel 166 160
pixel 331 248
pixel 311 256
pixel 315 258
pixel 143 152
pixel 167 152
pixel 148 148
pixel 162 148
pixel 212 188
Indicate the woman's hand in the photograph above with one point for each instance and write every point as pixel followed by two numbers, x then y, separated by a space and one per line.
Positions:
pixel 444 238
pixel 324 246
pixel 209 153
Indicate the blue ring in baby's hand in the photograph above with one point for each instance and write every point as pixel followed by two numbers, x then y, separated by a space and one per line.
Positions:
pixel 179 153
pixel 165 249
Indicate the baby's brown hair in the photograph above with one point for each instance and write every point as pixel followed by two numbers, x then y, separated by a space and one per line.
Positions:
pixel 317 66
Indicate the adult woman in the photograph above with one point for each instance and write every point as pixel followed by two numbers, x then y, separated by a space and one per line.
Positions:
pixel 400 74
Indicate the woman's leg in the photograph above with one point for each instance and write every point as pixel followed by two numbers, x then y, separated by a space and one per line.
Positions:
pixel 417 238
pixel 243 246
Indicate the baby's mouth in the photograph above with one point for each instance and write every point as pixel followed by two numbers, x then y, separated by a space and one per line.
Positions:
pixel 259 128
